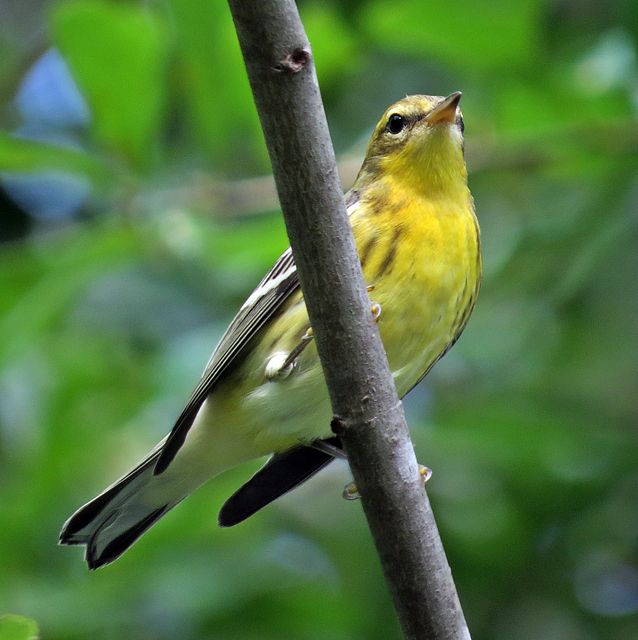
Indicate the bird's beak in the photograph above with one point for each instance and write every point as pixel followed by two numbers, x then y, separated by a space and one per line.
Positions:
pixel 445 111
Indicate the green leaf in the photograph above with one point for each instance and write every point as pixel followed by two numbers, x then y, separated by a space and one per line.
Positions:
pixel 218 100
pixel 13 627
pixel 40 285
pixel 17 154
pixel 333 42
pixel 473 34
pixel 117 55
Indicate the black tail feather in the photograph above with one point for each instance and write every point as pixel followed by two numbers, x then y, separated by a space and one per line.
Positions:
pixel 110 523
pixel 82 517
pixel 283 472
pixel 119 545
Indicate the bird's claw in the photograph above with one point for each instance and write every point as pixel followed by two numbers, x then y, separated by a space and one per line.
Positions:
pixel 351 492
pixel 425 473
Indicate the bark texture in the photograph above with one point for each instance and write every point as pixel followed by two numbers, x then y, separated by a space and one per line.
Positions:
pixel 368 413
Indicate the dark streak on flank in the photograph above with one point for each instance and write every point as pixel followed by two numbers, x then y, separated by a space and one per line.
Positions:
pixel 367 250
pixel 377 200
pixel 397 207
pixel 392 253
pixel 376 204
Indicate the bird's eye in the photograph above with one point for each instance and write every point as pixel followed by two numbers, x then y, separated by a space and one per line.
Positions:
pixel 461 124
pixel 395 123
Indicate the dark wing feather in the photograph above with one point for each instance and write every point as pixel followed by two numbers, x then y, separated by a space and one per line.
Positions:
pixel 282 473
pixel 277 286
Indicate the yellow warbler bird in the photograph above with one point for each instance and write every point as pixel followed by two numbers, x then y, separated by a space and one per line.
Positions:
pixel 263 390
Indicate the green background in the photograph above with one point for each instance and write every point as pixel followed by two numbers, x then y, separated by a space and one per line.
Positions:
pixel 112 299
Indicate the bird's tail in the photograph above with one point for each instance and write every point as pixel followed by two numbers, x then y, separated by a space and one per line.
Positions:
pixel 110 523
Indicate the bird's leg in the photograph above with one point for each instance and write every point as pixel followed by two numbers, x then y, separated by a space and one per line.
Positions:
pixel 296 352
pixel 281 364
pixel 329 448
pixel 350 491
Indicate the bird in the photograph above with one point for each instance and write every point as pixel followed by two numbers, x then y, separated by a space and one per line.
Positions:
pixel 262 392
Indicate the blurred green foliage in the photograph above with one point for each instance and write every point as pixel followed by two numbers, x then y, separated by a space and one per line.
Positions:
pixel 133 225
pixel 14 627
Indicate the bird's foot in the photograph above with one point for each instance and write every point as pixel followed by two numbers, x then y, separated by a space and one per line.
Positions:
pixel 281 364
pixel 376 307
pixel 425 473
pixel 350 491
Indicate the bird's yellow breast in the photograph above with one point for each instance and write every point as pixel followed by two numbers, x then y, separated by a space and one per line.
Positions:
pixel 421 258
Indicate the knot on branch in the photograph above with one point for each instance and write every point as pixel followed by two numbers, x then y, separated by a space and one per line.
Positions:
pixel 338 425
pixel 294 61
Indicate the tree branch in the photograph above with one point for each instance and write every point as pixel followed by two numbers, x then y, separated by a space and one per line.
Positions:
pixel 368 414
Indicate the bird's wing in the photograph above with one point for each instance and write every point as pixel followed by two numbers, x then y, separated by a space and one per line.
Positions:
pixel 262 304
pixel 282 473
pixel 276 287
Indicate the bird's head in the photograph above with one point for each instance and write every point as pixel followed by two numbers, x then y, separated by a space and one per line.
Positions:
pixel 420 139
